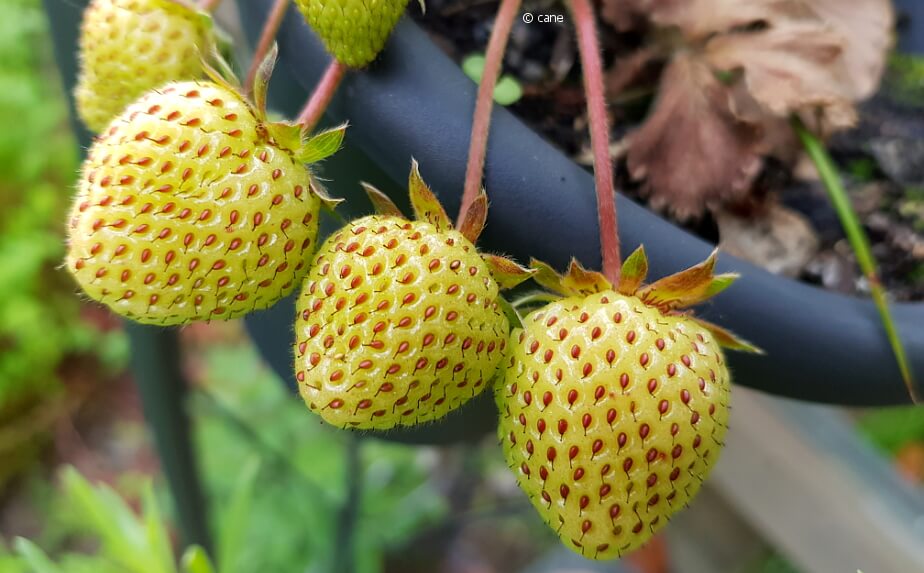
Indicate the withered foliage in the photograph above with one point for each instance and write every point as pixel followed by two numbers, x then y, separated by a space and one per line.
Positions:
pixel 735 72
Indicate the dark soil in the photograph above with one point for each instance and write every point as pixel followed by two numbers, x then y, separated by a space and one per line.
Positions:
pixel 882 159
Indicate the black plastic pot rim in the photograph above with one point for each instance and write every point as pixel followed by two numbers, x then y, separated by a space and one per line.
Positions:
pixel 415 102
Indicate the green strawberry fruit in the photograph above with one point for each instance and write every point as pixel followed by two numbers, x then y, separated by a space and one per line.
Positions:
pixel 614 405
pixel 128 47
pixel 192 206
pixel 400 322
pixel 354 31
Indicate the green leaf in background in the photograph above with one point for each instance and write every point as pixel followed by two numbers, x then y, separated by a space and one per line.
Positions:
pixel 233 533
pixel 195 560
pixel 892 428
pixel 35 557
pixel 135 545
pixel 507 91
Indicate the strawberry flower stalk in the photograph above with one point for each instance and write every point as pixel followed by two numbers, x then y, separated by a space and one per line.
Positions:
pixel 614 399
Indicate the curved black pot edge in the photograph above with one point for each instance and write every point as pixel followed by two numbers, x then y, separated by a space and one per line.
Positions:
pixel 414 101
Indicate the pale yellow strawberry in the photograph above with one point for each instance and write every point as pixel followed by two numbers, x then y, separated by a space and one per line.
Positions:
pixel 192 206
pixel 128 47
pixel 614 407
pixel 399 322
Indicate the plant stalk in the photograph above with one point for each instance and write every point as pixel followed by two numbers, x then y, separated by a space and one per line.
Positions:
pixel 589 49
pixel 267 37
pixel 481 121
pixel 860 244
pixel 323 93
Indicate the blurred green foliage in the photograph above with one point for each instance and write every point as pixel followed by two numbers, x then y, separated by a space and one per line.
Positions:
pixel 128 542
pixel 277 480
pixel 892 428
pixel 905 78
pixel 244 410
pixel 39 311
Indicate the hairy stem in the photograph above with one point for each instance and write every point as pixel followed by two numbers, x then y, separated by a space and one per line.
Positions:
pixel 860 244
pixel 481 121
pixel 589 49
pixel 267 37
pixel 209 5
pixel 323 93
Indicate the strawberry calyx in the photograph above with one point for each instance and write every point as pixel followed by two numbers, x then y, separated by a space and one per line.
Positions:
pixel 427 208
pixel 305 146
pixel 671 295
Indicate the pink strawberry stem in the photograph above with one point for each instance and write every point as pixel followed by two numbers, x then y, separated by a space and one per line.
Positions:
pixel 322 95
pixel 589 49
pixel 481 122
pixel 209 5
pixel 267 37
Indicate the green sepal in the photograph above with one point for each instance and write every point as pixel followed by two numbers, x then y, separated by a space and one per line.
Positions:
pixel 726 338
pixel 548 277
pixel 322 145
pixel 426 206
pixel 328 202
pixel 473 221
pixel 687 287
pixel 506 272
pixel 634 272
pixel 262 79
pixel 516 321
pixel 581 281
pixel 217 69
pixel 718 284
pixel 381 202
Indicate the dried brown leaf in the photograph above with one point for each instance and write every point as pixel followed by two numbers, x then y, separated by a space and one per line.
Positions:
pixel 698 19
pixel 866 28
pixel 794 67
pixel 692 150
pixel 625 15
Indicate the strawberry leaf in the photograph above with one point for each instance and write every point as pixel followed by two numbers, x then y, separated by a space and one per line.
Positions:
pixel 322 145
pixel 634 271
pixel 381 202
pixel 426 206
pixel 474 220
pixel 727 338
pixel 506 272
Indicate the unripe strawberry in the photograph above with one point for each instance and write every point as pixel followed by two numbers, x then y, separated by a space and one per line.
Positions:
pixel 400 322
pixel 192 206
pixel 354 31
pixel 128 47
pixel 614 407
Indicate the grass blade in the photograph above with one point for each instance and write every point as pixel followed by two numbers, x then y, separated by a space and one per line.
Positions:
pixel 860 244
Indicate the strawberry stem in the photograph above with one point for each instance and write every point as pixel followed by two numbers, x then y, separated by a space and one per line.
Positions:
pixel 267 37
pixel 861 248
pixel 589 49
pixel 481 121
pixel 322 95
pixel 209 5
